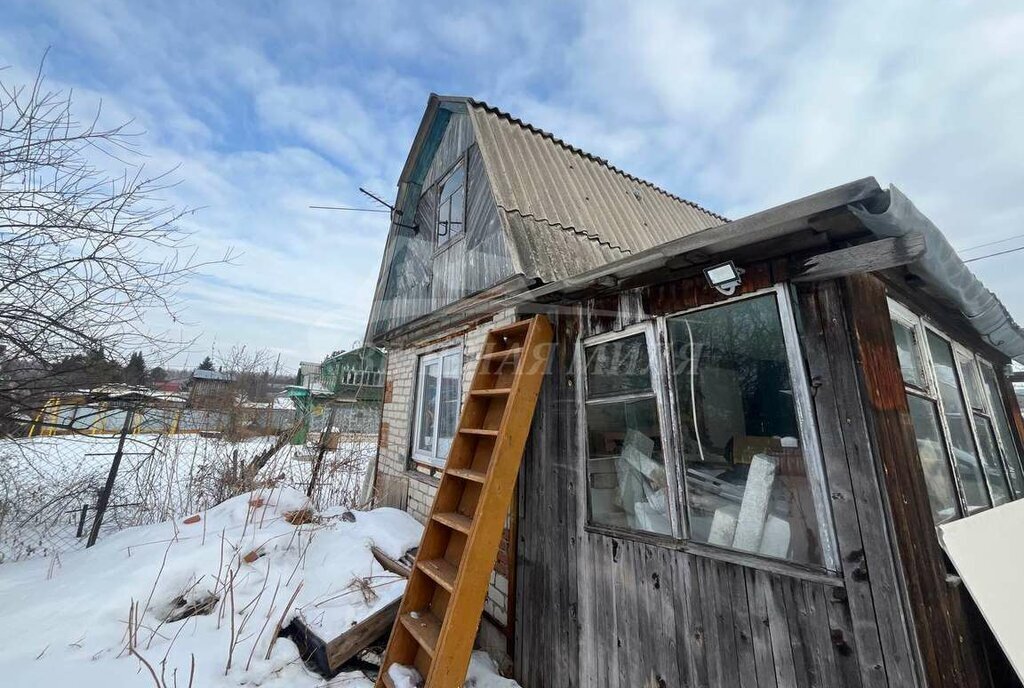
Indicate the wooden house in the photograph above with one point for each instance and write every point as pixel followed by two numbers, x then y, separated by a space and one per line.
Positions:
pixel 749 432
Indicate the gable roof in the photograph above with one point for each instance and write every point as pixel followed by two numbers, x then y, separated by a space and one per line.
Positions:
pixel 562 211
pixel 567 210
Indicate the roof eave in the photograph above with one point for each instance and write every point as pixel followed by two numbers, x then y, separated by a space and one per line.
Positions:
pixel 883 213
pixel 892 214
pixel 694 248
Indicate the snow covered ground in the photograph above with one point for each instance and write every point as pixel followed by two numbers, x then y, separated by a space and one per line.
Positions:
pixel 110 615
pixel 45 481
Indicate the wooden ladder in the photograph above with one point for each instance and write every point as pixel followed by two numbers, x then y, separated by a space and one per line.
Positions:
pixel 440 612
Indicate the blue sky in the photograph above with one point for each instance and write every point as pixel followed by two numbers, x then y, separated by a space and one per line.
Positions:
pixel 267 108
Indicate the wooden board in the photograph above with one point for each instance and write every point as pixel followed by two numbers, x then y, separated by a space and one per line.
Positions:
pixel 327 657
pixel 872 256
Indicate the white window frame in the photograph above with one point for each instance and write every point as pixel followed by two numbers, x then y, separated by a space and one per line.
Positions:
pixel 1005 413
pixel 959 352
pixel 419 455
pixel 656 331
pixel 922 325
pixel 806 419
pixel 448 239
pixel 658 393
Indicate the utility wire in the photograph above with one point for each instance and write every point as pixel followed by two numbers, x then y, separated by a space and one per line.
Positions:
pixel 997 253
pixel 991 243
pixel 342 207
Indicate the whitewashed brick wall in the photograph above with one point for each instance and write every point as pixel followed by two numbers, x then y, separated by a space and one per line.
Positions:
pixel 394 461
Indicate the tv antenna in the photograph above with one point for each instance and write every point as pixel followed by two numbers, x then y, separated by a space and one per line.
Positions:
pixel 394 212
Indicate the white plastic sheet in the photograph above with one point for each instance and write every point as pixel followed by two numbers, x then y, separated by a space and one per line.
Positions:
pixel 988 552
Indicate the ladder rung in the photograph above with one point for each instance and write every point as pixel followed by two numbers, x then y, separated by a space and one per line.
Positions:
pixel 514 327
pixel 441 570
pixel 467 474
pixel 424 628
pixel 478 431
pixel 502 354
pixel 455 521
pixel 493 392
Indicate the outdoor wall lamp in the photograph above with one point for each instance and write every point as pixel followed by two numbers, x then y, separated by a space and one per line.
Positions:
pixel 725 277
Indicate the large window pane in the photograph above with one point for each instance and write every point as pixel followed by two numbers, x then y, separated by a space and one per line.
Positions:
pixel 970 370
pixel 991 460
pixel 438 395
pixel 934 459
pixel 964 453
pixel 1013 462
pixel 451 381
pixel 625 468
pixel 909 355
pixel 618 367
pixel 746 480
pixel 427 400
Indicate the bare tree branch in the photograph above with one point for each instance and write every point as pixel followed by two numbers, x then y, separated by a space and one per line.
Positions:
pixel 85 254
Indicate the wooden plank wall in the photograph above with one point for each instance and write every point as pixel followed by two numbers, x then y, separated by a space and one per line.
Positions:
pixel 599 610
pixel 656 617
pixel 872 575
pixel 951 651
pixel 546 645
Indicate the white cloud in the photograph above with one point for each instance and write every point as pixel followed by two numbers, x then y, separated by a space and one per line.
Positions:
pixel 743 107
pixel 737 105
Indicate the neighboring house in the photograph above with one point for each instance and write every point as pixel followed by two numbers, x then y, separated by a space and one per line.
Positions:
pixel 309 375
pixel 749 430
pixel 349 382
pixel 356 375
pixel 210 389
pixel 169 385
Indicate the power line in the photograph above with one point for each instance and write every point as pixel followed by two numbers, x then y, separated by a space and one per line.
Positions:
pixel 357 210
pixel 992 243
pixel 997 253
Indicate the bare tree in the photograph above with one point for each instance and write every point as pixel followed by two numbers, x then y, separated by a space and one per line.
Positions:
pixel 85 253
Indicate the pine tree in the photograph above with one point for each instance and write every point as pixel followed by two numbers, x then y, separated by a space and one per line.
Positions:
pixel 207 364
pixel 135 371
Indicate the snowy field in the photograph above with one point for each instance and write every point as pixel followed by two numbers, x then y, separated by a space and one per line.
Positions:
pixel 196 601
pixel 45 481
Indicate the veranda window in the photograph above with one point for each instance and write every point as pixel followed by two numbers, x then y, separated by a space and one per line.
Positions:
pixel 743 450
pixel 626 476
pixel 438 395
pixel 967 452
pixel 748 467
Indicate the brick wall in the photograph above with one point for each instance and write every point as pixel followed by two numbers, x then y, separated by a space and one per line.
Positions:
pixel 394 463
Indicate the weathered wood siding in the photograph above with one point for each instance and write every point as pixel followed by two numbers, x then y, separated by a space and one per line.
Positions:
pixel 951 651
pixel 546 638
pixel 654 616
pixel 422 279
pixel 595 609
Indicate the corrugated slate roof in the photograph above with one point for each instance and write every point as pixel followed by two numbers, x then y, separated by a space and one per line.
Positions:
pixel 567 210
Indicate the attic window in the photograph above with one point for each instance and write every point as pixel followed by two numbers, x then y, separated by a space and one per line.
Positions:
pixel 451 205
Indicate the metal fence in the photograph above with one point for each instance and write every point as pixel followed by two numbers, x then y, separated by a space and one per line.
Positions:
pixel 61 492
